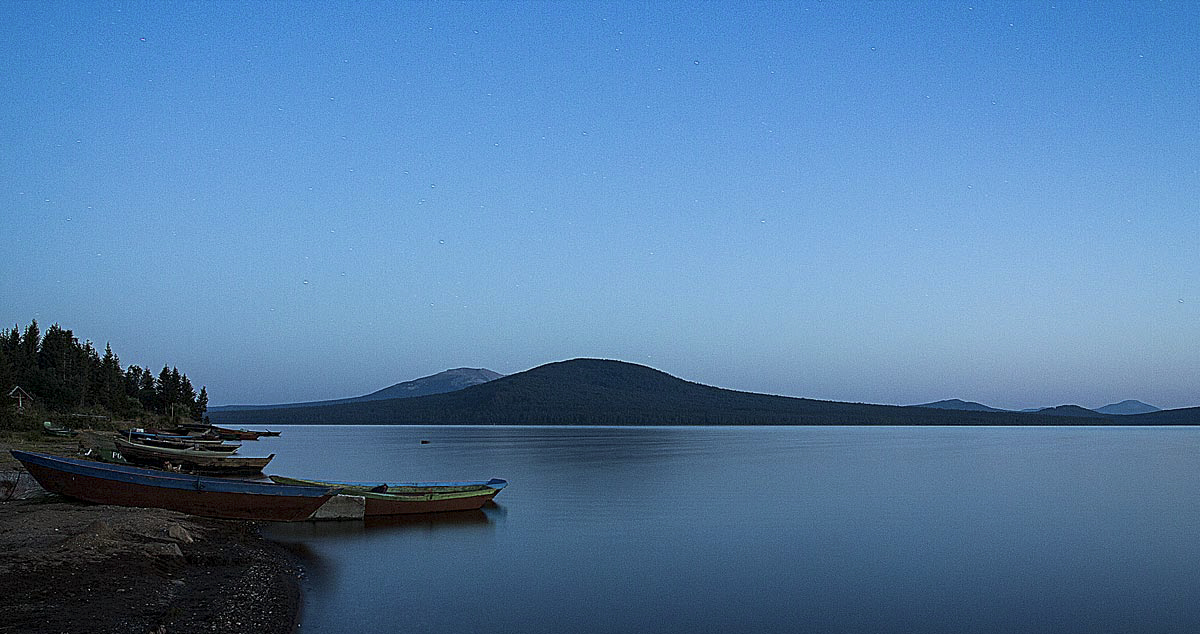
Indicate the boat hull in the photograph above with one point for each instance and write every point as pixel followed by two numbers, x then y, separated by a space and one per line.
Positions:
pixel 142 436
pixel 121 485
pixel 411 498
pixel 217 448
pixel 400 504
pixel 199 460
pixel 50 429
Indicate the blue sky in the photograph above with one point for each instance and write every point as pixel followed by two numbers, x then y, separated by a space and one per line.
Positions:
pixel 876 202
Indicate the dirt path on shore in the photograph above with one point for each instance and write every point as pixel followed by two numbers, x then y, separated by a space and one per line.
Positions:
pixel 75 567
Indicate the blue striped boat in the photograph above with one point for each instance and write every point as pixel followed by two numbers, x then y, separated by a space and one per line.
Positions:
pixel 123 485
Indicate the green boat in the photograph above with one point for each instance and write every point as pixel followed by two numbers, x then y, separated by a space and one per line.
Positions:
pixel 413 497
pixel 50 429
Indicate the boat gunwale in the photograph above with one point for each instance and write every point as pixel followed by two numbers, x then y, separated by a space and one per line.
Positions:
pixel 494 483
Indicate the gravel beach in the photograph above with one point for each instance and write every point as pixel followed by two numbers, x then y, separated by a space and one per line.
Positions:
pixel 75 567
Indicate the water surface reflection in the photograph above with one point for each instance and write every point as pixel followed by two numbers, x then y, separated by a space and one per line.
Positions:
pixel 772 530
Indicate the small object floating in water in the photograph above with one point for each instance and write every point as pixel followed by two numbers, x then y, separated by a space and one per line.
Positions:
pixel 424 442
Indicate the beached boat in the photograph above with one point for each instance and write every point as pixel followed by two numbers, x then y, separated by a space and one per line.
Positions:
pixel 50 429
pixel 123 485
pixel 180 442
pixel 220 447
pixel 240 434
pixel 137 435
pixel 198 460
pixel 224 432
pixel 412 497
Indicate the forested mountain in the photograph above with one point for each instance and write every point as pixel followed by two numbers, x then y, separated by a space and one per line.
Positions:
pixel 959 404
pixel 64 375
pixel 447 381
pixel 1127 407
pixel 440 383
pixel 1070 410
pixel 603 392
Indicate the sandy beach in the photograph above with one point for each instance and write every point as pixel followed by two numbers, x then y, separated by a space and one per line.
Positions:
pixel 75 567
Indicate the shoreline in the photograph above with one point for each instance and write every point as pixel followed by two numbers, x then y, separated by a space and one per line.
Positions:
pixel 76 566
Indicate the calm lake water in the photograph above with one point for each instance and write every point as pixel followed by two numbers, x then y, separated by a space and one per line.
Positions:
pixel 762 529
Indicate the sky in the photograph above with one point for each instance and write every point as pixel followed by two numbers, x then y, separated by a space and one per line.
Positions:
pixel 869 202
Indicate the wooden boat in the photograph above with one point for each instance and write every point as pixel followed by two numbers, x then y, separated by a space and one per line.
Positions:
pixel 50 429
pixel 240 434
pixel 224 432
pixel 197 460
pixel 412 497
pixel 123 485
pixel 180 442
pixel 219 448
pixel 138 435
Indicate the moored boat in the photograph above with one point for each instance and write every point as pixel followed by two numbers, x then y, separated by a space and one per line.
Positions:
pixel 412 497
pixel 224 432
pixel 236 434
pixel 122 485
pixel 198 460
pixel 240 434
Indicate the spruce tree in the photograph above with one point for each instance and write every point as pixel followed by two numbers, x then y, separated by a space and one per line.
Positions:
pixel 147 392
pixel 187 395
pixel 110 391
pixel 165 390
pixel 31 342
pixel 25 362
pixel 201 404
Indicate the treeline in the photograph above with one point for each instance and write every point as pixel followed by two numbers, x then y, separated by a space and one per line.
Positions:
pixel 64 375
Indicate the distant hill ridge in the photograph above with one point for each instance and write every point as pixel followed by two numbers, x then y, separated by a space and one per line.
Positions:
pixel 447 381
pixel 1128 407
pixel 1124 408
pixel 958 404
pixel 1070 410
pixel 607 392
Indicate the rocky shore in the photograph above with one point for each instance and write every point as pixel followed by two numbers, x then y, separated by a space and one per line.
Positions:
pixel 75 567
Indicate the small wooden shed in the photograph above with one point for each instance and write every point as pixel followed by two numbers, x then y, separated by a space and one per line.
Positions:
pixel 21 395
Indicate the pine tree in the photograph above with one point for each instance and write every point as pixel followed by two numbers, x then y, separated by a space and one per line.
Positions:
pixel 31 342
pixel 110 392
pixel 148 392
pixel 57 360
pixel 133 378
pixel 25 361
pixel 164 390
pixel 187 395
pixel 10 346
pixel 176 390
pixel 7 373
pixel 201 404
pixel 90 375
